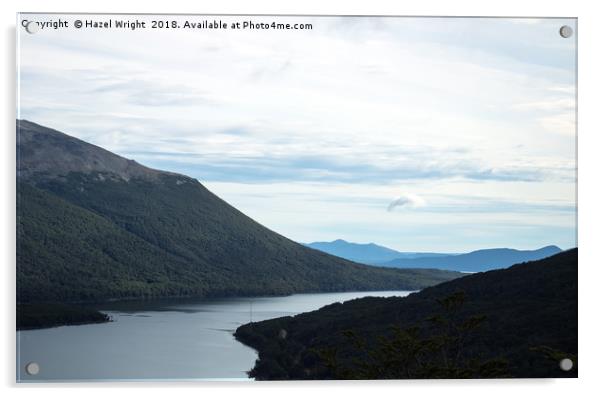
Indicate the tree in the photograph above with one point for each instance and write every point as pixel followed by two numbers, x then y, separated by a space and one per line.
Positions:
pixel 435 350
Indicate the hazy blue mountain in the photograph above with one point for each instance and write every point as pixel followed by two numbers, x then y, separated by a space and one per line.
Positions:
pixel 367 253
pixel 92 225
pixel 477 261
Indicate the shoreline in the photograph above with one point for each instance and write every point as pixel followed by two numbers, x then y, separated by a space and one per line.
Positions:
pixel 44 316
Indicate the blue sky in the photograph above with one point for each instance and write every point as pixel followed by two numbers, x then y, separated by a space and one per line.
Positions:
pixel 467 124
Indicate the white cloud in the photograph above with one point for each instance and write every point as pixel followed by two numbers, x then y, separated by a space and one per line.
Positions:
pixel 406 201
pixel 427 104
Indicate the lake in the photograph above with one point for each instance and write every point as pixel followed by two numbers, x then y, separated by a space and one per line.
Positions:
pixel 183 339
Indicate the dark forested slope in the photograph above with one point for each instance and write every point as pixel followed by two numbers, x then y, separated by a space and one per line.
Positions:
pixel 516 322
pixel 93 226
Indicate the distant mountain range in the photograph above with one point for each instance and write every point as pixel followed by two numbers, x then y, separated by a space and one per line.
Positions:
pixel 92 225
pixel 476 261
pixel 514 322
pixel 367 253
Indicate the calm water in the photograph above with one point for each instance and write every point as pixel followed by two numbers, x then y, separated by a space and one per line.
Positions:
pixel 170 339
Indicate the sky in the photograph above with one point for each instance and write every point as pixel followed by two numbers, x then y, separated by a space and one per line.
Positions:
pixel 420 134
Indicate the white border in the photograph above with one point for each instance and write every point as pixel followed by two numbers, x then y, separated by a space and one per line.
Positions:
pixel 590 107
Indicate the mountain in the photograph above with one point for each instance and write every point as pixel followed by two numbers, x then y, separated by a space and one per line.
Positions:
pixel 516 322
pixel 366 253
pixel 477 261
pixel 92 226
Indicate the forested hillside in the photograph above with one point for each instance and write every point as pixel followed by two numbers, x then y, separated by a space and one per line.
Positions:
pixel 94 226
pixel 515 322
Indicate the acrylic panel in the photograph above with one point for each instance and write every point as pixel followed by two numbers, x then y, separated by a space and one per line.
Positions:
pixel 256 197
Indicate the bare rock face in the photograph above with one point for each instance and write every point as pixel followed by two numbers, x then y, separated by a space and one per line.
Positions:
pixel 47 153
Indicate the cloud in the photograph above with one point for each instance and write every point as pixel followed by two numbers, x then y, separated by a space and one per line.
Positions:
pixel 357 166
pixel 150 93
pixel 460 106
pixel 407 201
pixel 316 111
